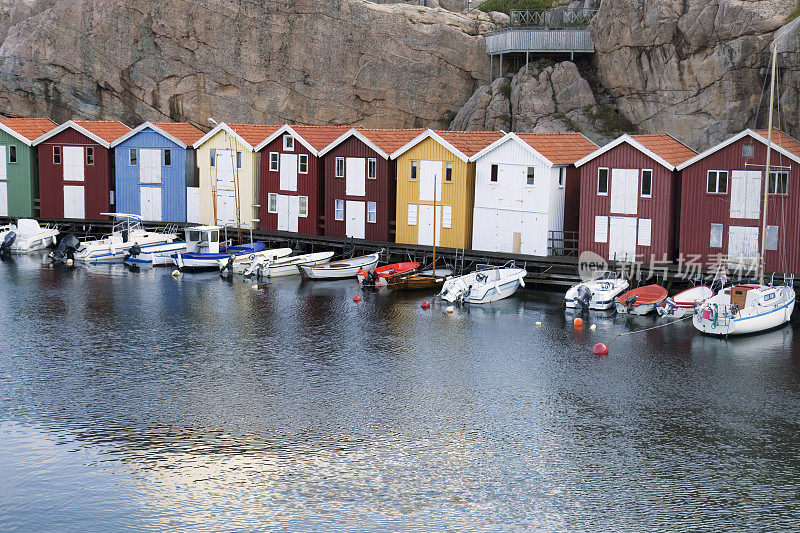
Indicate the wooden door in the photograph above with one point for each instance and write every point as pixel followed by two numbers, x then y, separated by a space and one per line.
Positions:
pixel 426 225
pixel 294 212
pixel 430 180
pixel 355 176
pixel 225 163
pixel 355 219
pixel 622 239
pixel 150 166
pixel 624 190
pixel 745 194
pixel 74 201
pixel 743 247
pixel 283 212
pixel 288 172
pixel 150 203
pixel 73 163
pixel 226 207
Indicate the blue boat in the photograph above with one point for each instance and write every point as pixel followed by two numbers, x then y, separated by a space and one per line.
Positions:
pixel 210 261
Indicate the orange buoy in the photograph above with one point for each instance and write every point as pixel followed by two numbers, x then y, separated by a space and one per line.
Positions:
pixel 578 322
pixel 425 304
pixel 600 349
pixel 356 298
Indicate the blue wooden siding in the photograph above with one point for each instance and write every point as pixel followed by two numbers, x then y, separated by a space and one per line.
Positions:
pixel 174 178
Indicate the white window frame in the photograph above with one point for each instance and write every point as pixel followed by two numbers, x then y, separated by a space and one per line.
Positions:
pixel 238 159
pixel 494 174
pixel 299 206
pixel 302 160
pixel 372 212
pixel 641 183
pixel 133 157
pixel 89 150
pixel 447 216
pixel 372 168
pixel 338 207
pixel 273 161
pixel 272 197
pixel 288 142
pixel 530 173
pixel 751 147
pixel 776 172
pixel 338 170
pixel 718 172
pixel 608 181
pixel 57 149
pixel 415 209
pixel 414 172
pixel 212 157
pixel 601 220
pixel 448 173
pixel 13 147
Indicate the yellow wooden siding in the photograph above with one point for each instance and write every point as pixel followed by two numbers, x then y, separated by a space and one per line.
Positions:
pixel 247 178
pixel 460 194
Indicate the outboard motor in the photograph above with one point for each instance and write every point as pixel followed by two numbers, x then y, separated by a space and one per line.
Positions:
pixel 630 300
pixel 371 278
pixel 133 251
pixel 5 246
pixel 228 266
pixel 584 296
pixel 66 249
pixel 670 305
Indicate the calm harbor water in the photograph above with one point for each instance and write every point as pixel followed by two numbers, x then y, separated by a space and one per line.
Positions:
pixel 135 401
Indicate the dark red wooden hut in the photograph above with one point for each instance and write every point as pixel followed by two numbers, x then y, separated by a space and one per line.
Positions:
pixel 76 169
pixel 629 198
pixel 722 198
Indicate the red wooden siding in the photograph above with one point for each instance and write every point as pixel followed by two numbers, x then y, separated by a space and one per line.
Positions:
pixel 661 209
pixel 97 178
pixel 381 190
pixel 699 209
pixel 310 185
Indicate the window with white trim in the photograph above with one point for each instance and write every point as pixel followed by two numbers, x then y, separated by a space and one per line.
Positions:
pixel 302 206
pixel 601 229
pixel 273 161
pixel 302 165
pixel 213 155
pixel 447 216
pixel 645 228
pixel 238 159
pixel 338 209
pixel 717 182
pixel 647 183
pixel 493 172
pixel 372 212
pixel 412 214
pixel 778 182
pixel 12 153
pixel 602 183
pixel 288 142
pixel 132 161
pixel 413 171
pixel 272 202
pixel 90 155
pixel 715 240
pixel 339 173
pixel 747 150
pixel 56 155
pixel 531 178
pixel 372 168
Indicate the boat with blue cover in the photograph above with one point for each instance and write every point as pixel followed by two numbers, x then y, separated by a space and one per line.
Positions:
pixel 210 261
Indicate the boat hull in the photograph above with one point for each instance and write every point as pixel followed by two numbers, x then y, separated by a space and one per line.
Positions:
pixel 751 323
pixel 116 254
pixel 339 270
pixel 161 257
pixel 287 266
pixel 497 285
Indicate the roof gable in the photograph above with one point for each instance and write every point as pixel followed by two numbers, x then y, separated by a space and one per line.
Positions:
pixel 381 141
pixel 248 135
pixel 462 144
pixel 661 148
pixel 103 132
pixel 313 138
pixel 181 133
pixel 558 148
pixel 787 146
pixel 26 130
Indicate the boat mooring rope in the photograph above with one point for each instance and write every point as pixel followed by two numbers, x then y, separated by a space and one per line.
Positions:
pixel 648 329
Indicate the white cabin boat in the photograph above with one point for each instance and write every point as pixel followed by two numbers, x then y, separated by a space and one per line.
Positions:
pixel 742 309
pixel 683 303
pixel 286 266
pixel 126 231
pixel 346 268
pixel 29 236
pixel 598 293
pixel 484 285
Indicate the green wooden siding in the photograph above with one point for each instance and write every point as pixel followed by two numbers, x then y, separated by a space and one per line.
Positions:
pixel 22 186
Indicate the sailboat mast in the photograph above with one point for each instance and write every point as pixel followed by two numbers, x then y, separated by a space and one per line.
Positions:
pixel 435 177
pixel 762 263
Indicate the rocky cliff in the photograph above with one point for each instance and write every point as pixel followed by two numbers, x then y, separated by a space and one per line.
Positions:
pixel 332 62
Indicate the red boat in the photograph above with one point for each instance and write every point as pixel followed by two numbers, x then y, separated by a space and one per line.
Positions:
pixel 641 300
pixel 379 277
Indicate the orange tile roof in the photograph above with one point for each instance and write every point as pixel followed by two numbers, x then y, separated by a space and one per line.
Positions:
pixel 320 136
pixel 108 130
pixel 391 140
pixel 30 128
pixel 470 142
pixel 784 140
pixel 667 147
pixel 559 148
pixel 254 133
pixel 183 131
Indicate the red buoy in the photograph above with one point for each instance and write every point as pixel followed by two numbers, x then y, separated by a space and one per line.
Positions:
pixel 356 298
pixel 578 322
pixel 425 304
pixel 600 349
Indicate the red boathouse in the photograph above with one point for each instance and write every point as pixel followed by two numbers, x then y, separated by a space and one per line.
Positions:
pixel 76 169
pixel 629 198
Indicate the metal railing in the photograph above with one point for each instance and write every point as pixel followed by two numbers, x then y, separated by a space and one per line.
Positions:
pixel 554 19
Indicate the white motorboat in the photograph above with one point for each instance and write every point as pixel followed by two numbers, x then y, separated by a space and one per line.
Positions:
pixel 488 284
pixel 286 266
pixel 683 303
pixel 126 231
pixel 239 264
pixel 162 256
pixel 741 309
pixel 346 268
pixel 29 236
pixel 598 293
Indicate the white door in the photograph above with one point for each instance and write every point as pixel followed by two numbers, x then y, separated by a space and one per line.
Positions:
pixel 150 166
pixel 743 247
pixel 3 170
pixel 283 212
pixel 150 206
pixel 226 207
pixel 745 194
pixel 624 190
pixel 225 161
pixel 3 198
pixel 74 204
pixel 288 172
pixel 355 176
pixel 193 204
pixel 294 212
pixel 355 219
pixel 622 238
pixel 73 163
pixel 426 224
pixel 430 180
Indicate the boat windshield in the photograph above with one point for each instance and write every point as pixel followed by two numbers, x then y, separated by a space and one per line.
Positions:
pixel 125 223
pixel 604 275
pixel 193 236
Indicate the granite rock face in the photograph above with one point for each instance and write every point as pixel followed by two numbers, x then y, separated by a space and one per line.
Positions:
pixel 333 62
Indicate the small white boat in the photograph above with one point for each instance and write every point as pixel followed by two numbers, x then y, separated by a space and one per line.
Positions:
pixel 683 303
pixel 346 268
pixel 598 293
pixel 29 236
pixel 239 264
pixel 286 266
pixel 741 309
pixel 126 231
pixel 484 285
